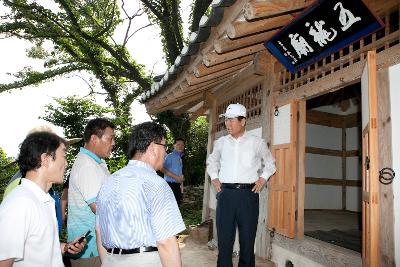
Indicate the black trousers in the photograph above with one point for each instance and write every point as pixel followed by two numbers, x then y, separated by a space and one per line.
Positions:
pixel 176 189
pixel 236 207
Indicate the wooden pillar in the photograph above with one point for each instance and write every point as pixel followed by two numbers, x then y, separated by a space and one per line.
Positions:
pixel 262 237
pixel 386 212
pixel 344 167
pixel 212 128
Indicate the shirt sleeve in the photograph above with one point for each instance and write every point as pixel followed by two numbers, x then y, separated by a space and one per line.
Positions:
pixel 167 162
pixel 89 182
pixel 166 218
pixel 15 218
pixel 268 161
pixel 213 161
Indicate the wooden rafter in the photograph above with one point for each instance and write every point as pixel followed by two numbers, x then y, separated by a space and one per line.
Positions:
pixel 192 79
pixel 242 27
pixel 225 44
pixel 203 70
pixel 213 58
pixel 264 9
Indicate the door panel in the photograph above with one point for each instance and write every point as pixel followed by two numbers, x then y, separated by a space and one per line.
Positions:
pixel 282 185
pixel 370 156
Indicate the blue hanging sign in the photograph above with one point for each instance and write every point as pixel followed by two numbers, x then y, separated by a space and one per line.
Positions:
pixel 323 28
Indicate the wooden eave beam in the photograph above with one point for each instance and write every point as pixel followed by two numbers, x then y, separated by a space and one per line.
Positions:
pixel 203 70
pixel 192 79
pixel 212 82
pixel 246 74
pixel 243 27
pixel 208 100
pixel 225 44
pixel 158 107
pixel 213 58
pixel 186 107
pixel 270 8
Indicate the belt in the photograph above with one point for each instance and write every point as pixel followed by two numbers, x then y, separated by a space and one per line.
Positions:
pixel 131 251
pixel 237 186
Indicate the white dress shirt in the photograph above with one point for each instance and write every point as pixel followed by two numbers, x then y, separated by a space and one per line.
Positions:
pixel 28 228
pixel 241 160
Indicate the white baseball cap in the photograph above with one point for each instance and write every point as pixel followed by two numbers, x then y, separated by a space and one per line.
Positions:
pixel 234 111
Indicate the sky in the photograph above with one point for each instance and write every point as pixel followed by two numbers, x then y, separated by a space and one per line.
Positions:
pixel 20 108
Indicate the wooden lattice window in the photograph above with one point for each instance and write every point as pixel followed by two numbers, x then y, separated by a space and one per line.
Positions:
pixel 357 51
pixel 251 99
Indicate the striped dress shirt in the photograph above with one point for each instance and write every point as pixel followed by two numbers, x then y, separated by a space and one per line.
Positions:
pixel 136 207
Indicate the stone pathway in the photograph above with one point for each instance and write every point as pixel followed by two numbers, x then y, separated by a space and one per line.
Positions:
pixel 195 254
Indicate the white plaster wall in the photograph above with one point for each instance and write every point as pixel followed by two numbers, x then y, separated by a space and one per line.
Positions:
pixel 353 138
pixel 324 196
pixel 353 166
pixel 323 166
pixel 281 255
pixel 281 134
pixel 323 136
pixel 394 77
pixel 353 198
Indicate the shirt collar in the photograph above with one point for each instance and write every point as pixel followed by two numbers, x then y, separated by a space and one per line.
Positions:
pixel 36 190
pixel 179 154
pixel 141 164
pixel 245 134
pixel 91 154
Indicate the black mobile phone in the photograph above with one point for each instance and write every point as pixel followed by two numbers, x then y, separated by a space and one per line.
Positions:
pixel 84 236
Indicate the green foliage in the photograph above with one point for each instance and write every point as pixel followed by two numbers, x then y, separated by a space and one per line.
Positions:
pixel 81 36
pixel 77 35
pixel 7 170
pixel 196 152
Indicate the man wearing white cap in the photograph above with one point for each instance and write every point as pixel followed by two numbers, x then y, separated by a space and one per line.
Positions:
pixel 239 166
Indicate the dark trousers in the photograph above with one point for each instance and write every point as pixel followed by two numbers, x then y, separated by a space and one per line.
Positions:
pixel 236 207
pixel 176 189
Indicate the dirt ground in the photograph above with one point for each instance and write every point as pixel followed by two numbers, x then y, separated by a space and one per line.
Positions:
pixel 195 254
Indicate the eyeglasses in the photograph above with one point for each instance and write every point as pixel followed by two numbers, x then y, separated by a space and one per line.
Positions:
pixel 164 145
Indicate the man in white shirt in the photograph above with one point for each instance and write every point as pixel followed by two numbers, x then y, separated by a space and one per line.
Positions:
pixel 234 167
pixel 28 224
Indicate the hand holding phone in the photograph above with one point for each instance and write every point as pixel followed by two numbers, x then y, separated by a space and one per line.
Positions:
pixel 84 236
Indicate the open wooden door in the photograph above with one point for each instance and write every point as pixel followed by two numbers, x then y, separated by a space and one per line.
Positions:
pixel 282 185
pixel 370 172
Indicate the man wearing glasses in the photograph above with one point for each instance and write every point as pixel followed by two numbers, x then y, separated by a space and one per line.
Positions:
pixel 137 216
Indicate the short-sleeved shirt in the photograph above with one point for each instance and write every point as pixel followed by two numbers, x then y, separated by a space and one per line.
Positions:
pixel 173 163
pixel 136 207
pixel 87 175
pixel 16 180
pixel 28 227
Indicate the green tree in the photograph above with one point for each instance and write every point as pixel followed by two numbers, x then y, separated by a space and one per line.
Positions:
pixel 81 38
pixel 7 169
pixel 196 152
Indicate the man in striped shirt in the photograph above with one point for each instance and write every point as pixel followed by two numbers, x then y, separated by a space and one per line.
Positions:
pixel 137 215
